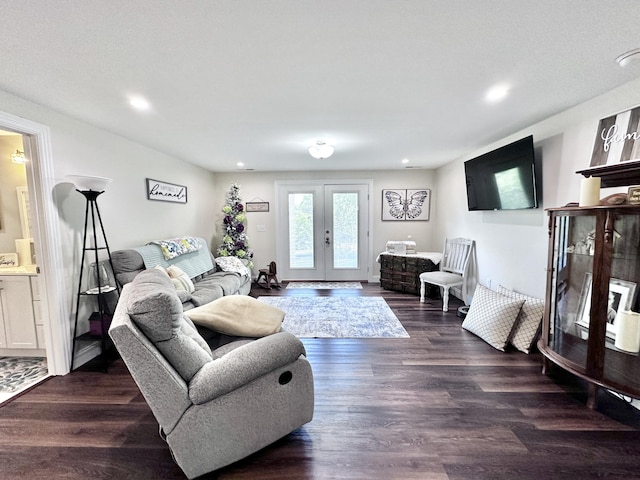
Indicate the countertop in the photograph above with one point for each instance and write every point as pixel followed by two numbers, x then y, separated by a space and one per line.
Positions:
pixel 22 270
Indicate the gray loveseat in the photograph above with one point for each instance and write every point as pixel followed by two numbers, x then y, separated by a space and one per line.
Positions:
pixel 214 406
pixel 210 283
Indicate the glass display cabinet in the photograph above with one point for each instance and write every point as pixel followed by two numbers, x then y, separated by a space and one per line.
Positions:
pixel 593 276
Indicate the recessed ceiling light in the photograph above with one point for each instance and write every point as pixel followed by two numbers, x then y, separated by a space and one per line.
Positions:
pixel 139 103
pixel 240 164
pixel 405 160
pixel 497 93
pixel 627 57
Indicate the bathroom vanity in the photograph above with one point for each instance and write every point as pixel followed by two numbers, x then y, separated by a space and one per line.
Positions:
pixel 21 326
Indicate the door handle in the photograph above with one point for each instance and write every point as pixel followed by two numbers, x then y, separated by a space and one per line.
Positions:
pixel 327 241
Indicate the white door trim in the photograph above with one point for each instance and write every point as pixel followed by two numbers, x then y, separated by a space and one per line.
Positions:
pixel 281 253
pixel 46 232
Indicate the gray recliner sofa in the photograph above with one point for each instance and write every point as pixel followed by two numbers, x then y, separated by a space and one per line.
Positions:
pixel 209 281
pixel 214 406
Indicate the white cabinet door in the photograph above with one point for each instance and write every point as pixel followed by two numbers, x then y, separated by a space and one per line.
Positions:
pixel 17 310
pixel 3 337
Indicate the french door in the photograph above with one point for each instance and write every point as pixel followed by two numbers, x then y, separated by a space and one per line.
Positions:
pixel 322 231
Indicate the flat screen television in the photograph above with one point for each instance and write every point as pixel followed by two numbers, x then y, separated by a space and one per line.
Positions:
pixel 504 179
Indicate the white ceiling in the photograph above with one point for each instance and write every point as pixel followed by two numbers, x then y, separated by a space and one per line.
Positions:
pixel 255 81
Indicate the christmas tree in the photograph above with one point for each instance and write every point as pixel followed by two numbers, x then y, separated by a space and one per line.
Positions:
pixel 234 237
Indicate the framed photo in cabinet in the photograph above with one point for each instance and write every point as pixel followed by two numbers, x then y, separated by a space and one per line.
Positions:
pixel 621 297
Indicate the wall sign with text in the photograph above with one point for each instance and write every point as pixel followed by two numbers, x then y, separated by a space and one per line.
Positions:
pixel 617 139
pixel 166 192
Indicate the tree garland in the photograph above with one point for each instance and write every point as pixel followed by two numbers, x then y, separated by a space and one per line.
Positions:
pixel 234 239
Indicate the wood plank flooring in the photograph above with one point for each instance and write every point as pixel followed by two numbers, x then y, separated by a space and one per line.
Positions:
pixel 441 405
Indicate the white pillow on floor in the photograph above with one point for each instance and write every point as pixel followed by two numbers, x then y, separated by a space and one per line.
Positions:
pixel 492 316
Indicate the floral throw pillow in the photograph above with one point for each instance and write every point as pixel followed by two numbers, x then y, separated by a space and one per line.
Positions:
pixel 232 264
pixel 178 246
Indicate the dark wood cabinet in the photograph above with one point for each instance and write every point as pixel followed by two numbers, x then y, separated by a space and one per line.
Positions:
pixel 401 273
pixel 593 276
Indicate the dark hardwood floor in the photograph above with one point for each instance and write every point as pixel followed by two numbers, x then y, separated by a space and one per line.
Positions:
pixel 440 405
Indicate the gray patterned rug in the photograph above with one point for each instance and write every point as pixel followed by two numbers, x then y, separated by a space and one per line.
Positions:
pixel 338 317
pixel 324 285
pixel 15 372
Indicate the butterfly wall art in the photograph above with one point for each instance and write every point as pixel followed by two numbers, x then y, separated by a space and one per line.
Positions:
pixel 406 204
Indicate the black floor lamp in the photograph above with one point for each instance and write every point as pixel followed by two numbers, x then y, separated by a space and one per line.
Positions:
pixel 98 282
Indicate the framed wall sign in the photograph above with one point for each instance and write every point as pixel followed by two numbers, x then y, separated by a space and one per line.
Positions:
pixel 166 192
pixel 8 260
pixel 405 204
pixel 257 207
pixel 617 139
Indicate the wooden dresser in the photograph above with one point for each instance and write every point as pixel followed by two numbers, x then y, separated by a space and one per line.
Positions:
pixel 401 272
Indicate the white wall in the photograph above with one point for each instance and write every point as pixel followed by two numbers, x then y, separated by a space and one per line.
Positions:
pixel 259 186
pixel 128 217
pixel 512 245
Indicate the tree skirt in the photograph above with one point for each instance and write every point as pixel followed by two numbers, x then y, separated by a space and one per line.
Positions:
pixel 338 317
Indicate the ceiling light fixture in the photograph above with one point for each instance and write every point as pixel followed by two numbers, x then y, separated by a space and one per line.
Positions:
pixel 497 93
pixel 139 103
pixel 627 57
pixel 18 157
pixel 405 160
pixel 321 150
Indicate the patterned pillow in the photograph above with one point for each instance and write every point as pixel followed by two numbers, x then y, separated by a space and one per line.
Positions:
pixel 177 246
pixel 528 323
pixel 492 316
pixel 232 264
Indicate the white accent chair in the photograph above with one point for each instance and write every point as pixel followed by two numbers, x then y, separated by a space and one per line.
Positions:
pixel 454 268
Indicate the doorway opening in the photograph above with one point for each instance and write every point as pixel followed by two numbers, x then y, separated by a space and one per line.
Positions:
pixel 322 230
pixel 52 335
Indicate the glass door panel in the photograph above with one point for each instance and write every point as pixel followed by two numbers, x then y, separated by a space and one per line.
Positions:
pixel 621 365
pixel 345 230
pixel 301 231
pixel 571 289
pixel 346 227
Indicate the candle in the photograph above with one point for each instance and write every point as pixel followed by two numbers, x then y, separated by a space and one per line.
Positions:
pixel 628 332
pixel 590 191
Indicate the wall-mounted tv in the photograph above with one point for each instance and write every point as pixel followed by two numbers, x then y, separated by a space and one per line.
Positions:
pixel 504 179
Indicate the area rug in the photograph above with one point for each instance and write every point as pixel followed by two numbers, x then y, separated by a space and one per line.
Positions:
pixel 338 317
pixel 16 372
pixel 324 285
